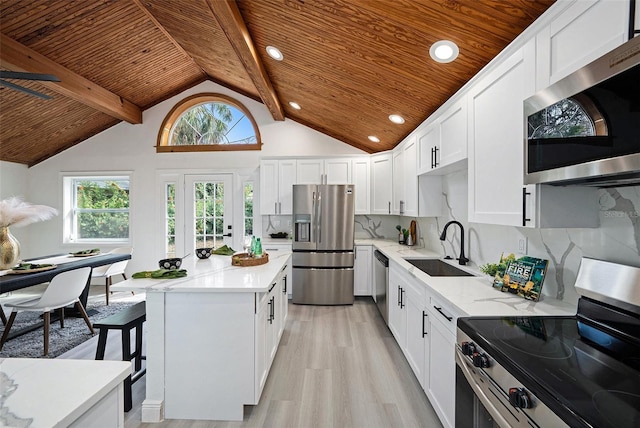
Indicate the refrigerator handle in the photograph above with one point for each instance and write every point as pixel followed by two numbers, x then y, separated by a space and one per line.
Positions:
pixel 314 219
pixel 319 218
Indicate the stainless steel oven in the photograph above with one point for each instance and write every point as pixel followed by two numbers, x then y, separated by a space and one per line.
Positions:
pixel 577 371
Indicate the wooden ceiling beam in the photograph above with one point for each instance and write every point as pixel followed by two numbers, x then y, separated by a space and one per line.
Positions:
pixel 230 20
pixel 15 56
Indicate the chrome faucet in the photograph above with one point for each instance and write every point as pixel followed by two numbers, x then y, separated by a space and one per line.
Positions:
pixel 462 260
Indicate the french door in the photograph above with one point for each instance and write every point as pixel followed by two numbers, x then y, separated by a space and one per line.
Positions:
pixel 208 211
pixel 198 212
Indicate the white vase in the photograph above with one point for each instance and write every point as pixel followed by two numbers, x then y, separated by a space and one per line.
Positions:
pixel 9 249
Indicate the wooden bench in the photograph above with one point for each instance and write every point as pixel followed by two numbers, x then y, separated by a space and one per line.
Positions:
pixel 125 320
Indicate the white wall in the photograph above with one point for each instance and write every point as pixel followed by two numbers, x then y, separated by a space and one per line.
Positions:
pixel 127 147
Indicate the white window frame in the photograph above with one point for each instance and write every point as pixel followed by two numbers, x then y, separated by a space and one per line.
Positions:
pixel 68 204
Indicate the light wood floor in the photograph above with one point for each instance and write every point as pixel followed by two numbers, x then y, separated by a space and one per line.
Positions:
pixel 336 366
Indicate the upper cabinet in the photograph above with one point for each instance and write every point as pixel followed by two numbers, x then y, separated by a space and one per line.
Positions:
pixel 497 194
pixel 442 145
pixel 496 135
pixel 405 179
pixel 583 32
pixel 277 178
pixel 360 174
pixel 381 183
pixel 324 171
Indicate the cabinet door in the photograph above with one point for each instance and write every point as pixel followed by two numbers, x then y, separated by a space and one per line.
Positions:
pixel 284 301
pixel 410 179
pixel 417 333
pixel 338 171
pixel 453 135
pixel 261 328
pixel 269 180
pixel 428 140
pixel 585 31
pixel 309 171
pixel 381 183
pixel 362 271
pixel 396 302
pixel 286 180
pixel 360 178
pixel 398 181
pixel 497 131
pixel 442 372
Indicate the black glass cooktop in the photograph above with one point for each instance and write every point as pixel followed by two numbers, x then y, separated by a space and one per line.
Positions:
pixel 586 375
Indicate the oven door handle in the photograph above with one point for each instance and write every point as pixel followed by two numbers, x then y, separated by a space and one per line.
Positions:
pixel 491 408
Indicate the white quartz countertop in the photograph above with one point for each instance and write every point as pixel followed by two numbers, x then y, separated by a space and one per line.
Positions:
pixel 215 274
pixel 469 295
pixel 54 393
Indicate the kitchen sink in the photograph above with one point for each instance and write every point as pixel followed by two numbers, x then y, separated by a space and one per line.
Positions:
pixel 436 267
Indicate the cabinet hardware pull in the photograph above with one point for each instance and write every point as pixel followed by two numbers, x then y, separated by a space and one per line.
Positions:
pixel 389 207
pixel 442 313
pixel 402 304
pixel 424 316
pixel 284 288
pixel 524 206
pixel 435 156
pixel 432 155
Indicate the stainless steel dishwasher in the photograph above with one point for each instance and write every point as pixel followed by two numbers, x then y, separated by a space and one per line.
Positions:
pixel 381 283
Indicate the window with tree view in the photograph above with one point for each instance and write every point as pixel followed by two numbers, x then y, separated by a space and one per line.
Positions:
pixel 99 209
pixel 208 122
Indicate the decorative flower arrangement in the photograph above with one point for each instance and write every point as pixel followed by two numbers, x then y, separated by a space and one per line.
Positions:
pixel 15 212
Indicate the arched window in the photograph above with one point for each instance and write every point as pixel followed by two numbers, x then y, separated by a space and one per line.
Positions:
pixel 208 122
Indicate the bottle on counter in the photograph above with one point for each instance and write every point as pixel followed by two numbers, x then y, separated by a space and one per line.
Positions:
pixel 252 251
pixel 258 252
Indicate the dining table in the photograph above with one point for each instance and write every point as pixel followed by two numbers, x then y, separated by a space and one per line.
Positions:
pixel 10 281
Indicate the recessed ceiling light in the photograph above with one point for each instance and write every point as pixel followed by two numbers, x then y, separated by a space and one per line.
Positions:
pixel 295 105
pixel 373 138
pixel 275 53
pixel 396 118
pixel 444 51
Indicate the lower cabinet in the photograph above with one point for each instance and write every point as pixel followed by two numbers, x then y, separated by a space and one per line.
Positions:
pixel 441 389
pixel 425 330
pixel 362 271
pixel 396 302
pixel 270 319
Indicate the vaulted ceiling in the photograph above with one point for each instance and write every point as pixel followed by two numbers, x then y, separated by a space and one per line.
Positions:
pixel 348 63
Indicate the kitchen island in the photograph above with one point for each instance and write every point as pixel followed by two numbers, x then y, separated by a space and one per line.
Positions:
pixel 211 336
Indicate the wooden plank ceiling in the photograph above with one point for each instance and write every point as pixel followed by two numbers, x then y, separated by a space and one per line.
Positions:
pixel 348 63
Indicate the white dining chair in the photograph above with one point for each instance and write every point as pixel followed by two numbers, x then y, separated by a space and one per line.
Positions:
pixel 108 271
pixel 63 290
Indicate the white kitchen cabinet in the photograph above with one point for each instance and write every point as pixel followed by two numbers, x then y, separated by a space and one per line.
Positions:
pixel 324 171
pixel 583 32
pixel 442 146
pixel 417 348
pixel 405 179
pixel 362 275
pixel 381 183
pixel 285 289
pixel 397 304
pixel 277 178
pixel 496 131
pixel 441 389
pixel 360 177
pixel 309 171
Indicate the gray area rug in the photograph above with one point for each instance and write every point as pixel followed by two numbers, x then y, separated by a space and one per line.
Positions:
pixel 75 332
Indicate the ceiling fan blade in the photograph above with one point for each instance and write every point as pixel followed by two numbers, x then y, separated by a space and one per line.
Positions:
pixel 27 90
pixel 4 74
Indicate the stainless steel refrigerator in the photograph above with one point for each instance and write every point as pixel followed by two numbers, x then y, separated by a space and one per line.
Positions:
pixel 323 234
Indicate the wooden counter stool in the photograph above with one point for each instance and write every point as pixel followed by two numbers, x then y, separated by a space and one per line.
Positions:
pixel 125 320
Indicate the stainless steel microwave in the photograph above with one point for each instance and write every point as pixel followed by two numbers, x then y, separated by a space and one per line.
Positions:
pixel 585 128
